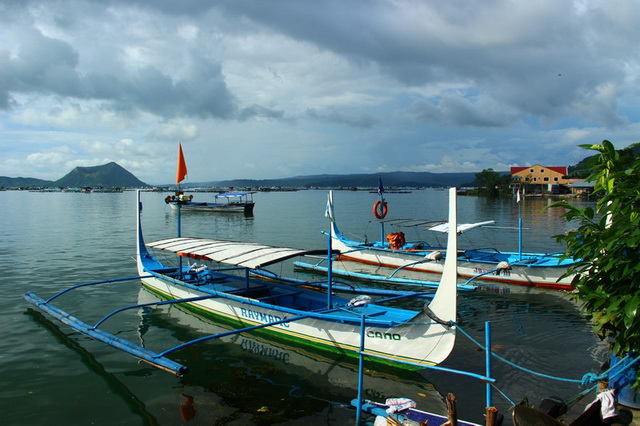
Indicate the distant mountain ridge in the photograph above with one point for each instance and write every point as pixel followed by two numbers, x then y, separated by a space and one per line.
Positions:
pixel 583 169
pixel 22 182
pixel 113 175
pixel 396 179
pixel 110 175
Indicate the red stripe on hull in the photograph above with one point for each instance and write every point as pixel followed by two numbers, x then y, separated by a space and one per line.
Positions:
pixel 492 278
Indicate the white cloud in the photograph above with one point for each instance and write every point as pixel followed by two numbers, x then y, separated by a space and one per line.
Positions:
pixel 271 89
pixel 174 131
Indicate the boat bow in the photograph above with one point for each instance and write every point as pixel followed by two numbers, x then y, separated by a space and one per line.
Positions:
pixel 444 304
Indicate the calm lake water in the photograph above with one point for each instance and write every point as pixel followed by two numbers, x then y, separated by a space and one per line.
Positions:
pixel 52 375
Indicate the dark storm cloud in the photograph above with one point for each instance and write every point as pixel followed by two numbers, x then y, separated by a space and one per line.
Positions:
pixel 513 54
pixel 42 65
pixel 462 85
pixel 48 66
pixel 257 111
pixel 335 116
pixel 458 111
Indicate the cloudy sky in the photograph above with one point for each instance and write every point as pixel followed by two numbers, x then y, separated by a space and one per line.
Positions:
pixel 280 88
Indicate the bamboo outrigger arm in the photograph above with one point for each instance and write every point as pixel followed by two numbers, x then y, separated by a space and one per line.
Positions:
pixel 131 348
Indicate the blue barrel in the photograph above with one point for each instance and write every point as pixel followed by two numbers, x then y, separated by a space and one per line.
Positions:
pixel 622 382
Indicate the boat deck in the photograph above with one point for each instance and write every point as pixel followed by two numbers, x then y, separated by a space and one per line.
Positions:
pixel 285 296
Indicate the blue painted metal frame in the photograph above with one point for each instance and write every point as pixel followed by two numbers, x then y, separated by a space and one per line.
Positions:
pixel 114 341
pixel 95 283
pixel 362 353
pixel 231 333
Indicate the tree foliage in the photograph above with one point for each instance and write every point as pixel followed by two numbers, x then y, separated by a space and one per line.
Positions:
pixel 607 242
pixel 492 183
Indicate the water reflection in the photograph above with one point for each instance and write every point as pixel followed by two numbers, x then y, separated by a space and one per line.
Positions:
pixel 270 381
pixel 187 408
pixel 87 358
pixel 62 239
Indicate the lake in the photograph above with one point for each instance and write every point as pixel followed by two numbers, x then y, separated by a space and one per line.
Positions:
pixel 52 375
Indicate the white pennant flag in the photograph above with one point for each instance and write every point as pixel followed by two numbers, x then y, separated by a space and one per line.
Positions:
pixel 329 210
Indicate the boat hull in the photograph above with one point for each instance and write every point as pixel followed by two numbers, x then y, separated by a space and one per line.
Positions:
pixel 401 338
pixel 400 343
pixel 550 277
pixel 245 208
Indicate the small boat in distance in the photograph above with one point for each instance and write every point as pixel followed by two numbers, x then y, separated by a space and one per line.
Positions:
pixel 230 202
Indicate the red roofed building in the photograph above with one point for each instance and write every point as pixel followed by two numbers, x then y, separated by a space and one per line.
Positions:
pixel 539 179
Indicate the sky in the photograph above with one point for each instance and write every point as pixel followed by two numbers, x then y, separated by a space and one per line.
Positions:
pixel 280 88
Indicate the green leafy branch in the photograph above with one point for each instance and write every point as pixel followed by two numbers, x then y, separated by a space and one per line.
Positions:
pixel 607 242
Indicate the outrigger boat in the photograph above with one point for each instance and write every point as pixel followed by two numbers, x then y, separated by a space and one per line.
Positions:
pixel 280 310
pixel 229 202
pixel 280 363
pixel 544 270
pixel 351 273
pixel 402 411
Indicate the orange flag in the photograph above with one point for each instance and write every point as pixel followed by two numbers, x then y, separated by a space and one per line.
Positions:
pixel 182 166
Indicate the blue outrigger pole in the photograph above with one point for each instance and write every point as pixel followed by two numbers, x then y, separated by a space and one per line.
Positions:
pixel 94 332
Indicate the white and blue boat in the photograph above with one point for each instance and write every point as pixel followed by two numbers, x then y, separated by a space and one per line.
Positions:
pixel 221 285
pixel 228 202
pixel 544 270
pixel 525 269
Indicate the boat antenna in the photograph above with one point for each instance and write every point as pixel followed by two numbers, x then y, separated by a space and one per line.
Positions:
pixel 330 214
pixel 382 202
pixel 181 173
pixel 518 200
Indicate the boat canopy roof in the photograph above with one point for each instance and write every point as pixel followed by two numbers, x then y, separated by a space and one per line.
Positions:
pixel 234 194
pixel 444 227
pixel 248 255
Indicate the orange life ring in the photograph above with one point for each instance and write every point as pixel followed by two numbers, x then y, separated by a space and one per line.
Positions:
pixel 380 209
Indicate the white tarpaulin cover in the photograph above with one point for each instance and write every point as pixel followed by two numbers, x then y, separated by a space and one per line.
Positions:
pixel 249 255
pixel 444 227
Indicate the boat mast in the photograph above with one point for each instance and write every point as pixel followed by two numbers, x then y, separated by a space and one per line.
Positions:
pixel 181 173
pixel 380 192
pixel 518 200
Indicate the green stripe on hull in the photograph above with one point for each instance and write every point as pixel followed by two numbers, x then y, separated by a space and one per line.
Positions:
pixel 297 339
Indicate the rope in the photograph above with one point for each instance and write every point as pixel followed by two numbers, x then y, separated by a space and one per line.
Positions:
pixel 504 395
pixel 587 379
pixel 515 365
pixel 581 395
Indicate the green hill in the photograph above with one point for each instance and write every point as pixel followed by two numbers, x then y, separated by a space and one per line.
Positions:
pixel 581 170
pixel 112 175
pixel 109 175
pixel 395 179
pixel 20 182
